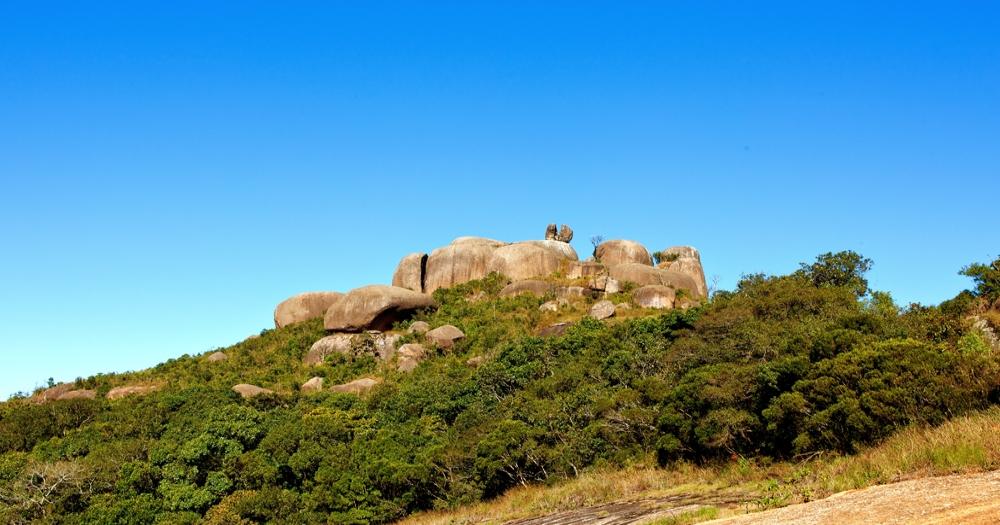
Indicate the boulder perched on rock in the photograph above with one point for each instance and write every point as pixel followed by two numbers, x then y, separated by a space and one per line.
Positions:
pixel 551 232
pixel 530 286
pixel 410 272
pixel 465 259
pixel 313 385
pixel 134 390
pixel 445 336
pixel 565 234
pixel 621 252
pixel 602 309
pixel 358 386
pixel 654 296
pixel 246 391
pixel 303 307
pixel 215 357
pixel 529 259
pixel 374 307
pixel 643 275
pixel 410 355
pixel 331 344
pixel 418 327
pixel 686 260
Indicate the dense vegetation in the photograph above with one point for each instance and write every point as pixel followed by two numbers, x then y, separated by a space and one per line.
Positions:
pixel 781 366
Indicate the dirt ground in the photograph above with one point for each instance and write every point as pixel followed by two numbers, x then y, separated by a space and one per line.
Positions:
pixel 971 499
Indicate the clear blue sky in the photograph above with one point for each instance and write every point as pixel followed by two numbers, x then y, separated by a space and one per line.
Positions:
pixel 172 172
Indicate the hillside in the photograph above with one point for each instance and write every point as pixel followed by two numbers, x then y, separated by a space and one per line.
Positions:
pixel 537 386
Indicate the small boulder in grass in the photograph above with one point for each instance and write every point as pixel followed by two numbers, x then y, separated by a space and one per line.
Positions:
pixel 418 327
pixel 554 330
pixel 602 310
pixel 410 355
pixel 313 385
pixel 248 391
pixel 215 357
pixel 445 336
pixel 358 386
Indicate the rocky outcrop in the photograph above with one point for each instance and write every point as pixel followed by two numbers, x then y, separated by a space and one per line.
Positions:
pixel 313 385
pixel 602 309
pixel 374 307
pixel 374 342
pixel 577 270
pixel 465 259
pixel 530 259
pixel 410 272
pixel 604 283
pixel 686 260
pixel 654 296
pixel 643 275
pixel 621 251
pixel 444 336
pixel 215 357
pixel 331 344
pixel 551 232
pixel 134 390
pixel 554 330
pixel 565 234
pixel 78 394
pixel 247 391
pixel 303 307
pixel 358 386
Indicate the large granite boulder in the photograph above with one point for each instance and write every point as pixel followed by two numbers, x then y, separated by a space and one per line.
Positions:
pixel 410 356
pixel 303 307
pixel 465 259
pixel 602 309
pixel 580 269
pixel 313 385
pixel 654 296
pixel 134 390
pixel 216 357
pixel 410 272
pixel 331 344
pixel 358 386
pixel 643 275
pixel 621 252
pixel 686 260
pixel 530 259
pixel 374 307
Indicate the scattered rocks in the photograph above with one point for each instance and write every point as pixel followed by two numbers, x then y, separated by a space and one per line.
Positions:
pixel 410 272
pixel 445 336
pixel 602 310
pixel 654 296
pixel 313 385
pixel 216 357
pixel 531 286
pixel 418 327
pixel 358 386
pixel 247 391
pixel 621 252
pixel 374 307
pixel 125 391
pixel 554 330
pixel 303 307
pixel 410 355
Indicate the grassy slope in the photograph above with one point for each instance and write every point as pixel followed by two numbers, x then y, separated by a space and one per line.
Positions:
pixel 966 444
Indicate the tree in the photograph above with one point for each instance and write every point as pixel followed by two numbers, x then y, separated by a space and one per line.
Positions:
pixel 846 269
pixel 987 279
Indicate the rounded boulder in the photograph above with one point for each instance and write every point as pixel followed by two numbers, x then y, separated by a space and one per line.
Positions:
pixel 303 307
pixel 620 251
pixel 374 307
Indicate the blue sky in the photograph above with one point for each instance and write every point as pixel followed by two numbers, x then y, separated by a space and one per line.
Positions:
pixel 172 172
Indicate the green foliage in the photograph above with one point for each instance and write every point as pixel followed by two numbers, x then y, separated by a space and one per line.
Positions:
pixel 987 279
pixel 780 366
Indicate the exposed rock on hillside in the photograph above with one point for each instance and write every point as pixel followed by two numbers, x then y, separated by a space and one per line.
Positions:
pixel 465 259
pixel 374 307
pixel 525 260
pixel 445 336
pixel 246 391
pixel 358 386
pixel 621 251
pixel 643 275
pixel 602 309
pixel 215 357
pixel 303 307
pixel 686 260
pixel 313 385
pixel 409 356
pixel 78 394
pixel 531 286
pixel 654 296
pixel 125 391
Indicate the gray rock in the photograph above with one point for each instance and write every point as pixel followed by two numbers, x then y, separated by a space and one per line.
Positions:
pixel 465 259
pixel 621 251
pixel 605 284
pixel 530 286
pixel 549 306
pixel 374 307
pixel 686 260
pixel 313 385
pixel 418 327
pixel 331 344
pixel 247 391
pixel 577 270
pixel 643 275
pixel 409 273
pixel 554 330
pixel 602 310
pixel 78 394
pixel 303 307
pixel 654 296
pixel 358 386
pixel 530 259
pixel 134 390
pixel 565 234
pixel 215 357
pixel 445 336
pixel 551 232
pixel 410 355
